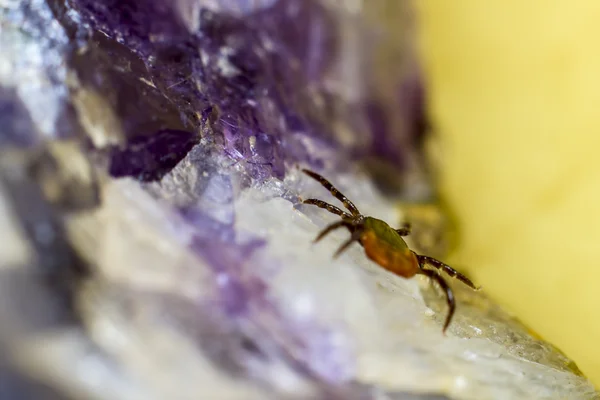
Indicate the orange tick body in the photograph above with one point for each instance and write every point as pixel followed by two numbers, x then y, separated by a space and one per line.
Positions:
pixel 387 248
pixel 384 244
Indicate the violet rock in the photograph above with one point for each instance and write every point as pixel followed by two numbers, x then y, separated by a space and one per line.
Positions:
pixel 161 248
pixel 150 157
pixel 17 127
pixel 254 75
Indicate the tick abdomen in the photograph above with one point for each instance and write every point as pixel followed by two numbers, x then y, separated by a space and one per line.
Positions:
pixel 387 248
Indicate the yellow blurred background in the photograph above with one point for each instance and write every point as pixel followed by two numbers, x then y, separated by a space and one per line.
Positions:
pixel 514 91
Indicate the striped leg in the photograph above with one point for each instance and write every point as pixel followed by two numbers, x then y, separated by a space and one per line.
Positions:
pixel 331 228
pixel 329 207
pixel 347 203
pixel 354 238
pixel 449 294
pixel 447 269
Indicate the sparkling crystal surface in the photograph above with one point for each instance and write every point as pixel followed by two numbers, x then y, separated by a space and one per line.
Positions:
pixel 154 244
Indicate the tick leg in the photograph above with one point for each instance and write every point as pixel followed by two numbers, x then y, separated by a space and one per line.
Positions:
pixel 448 269
pixel 347 203
pixel 346 244
pixel 449 294
pixel 329 207
pixel 405 230
pixel 331 228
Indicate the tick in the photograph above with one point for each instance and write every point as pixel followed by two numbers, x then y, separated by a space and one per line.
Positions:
pixel 385 245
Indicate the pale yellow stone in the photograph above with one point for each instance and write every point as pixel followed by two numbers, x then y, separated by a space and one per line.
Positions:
pixel 515 95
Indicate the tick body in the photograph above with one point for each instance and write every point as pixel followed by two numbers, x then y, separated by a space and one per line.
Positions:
pixel 385 245
pixel 387 248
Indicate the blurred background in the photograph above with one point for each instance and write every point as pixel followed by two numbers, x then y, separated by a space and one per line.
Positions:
pixel 513 90
pixel 149 193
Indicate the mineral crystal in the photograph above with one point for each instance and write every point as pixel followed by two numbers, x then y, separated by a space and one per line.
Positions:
pixel 154 244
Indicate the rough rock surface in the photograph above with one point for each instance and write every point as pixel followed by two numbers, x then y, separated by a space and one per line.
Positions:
pixel 153 241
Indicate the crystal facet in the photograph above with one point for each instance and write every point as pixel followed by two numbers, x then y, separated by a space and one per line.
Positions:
pixel 160 249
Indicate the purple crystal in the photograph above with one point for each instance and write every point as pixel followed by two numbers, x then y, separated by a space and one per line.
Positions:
pixel 140 25
pixel 149 158
pixel 412 103
pixel 235 7
pixel 236 293
pixel 381 144
pixel 212 99
pixel 257 73
pixel 17 127
pixel 243 294
pixel 395 139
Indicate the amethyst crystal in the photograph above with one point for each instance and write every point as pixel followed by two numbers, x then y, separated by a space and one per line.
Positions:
pixel 149 158
pixel 17 127
pixel 243 295
pixel 253 79
pixel 167 221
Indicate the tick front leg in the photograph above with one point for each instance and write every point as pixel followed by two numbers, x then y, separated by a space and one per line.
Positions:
pixel 331 228
pixel 355 236
pixel 449 294
pixel 448 269
pixel 332 189
pixel 329 207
